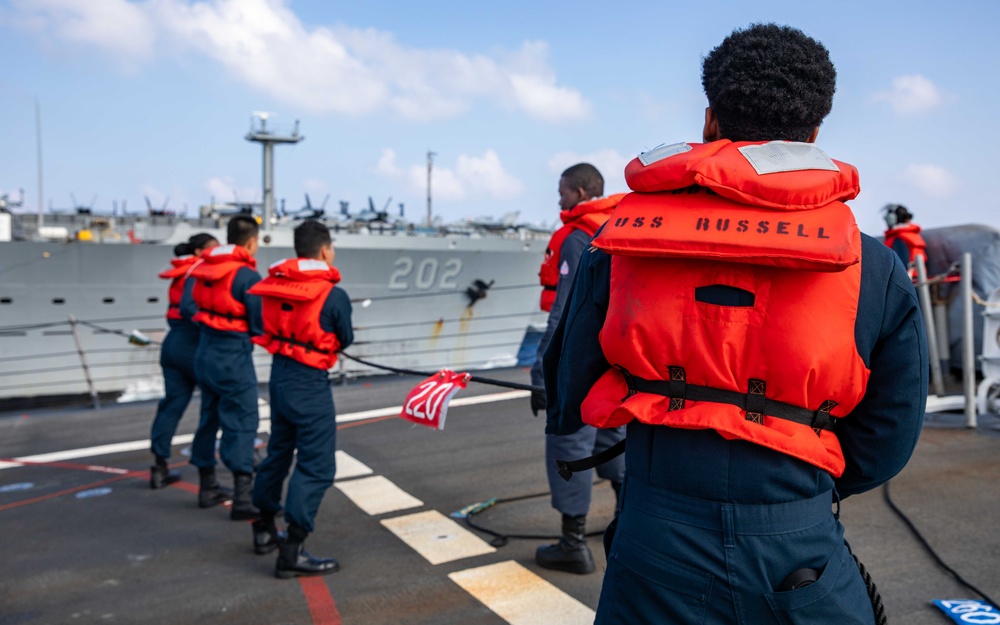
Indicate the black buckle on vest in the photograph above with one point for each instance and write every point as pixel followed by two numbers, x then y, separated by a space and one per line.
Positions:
pixel 822 419
pixel 629 381
pixel 756 400
pixel 677 387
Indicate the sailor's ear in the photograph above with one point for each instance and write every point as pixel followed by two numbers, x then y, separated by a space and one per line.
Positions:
pixel 710 132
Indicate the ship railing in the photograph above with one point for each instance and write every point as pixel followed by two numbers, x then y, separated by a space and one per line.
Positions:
pixel 99 367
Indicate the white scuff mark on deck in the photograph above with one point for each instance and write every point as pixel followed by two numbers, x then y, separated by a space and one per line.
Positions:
pixel 377 495
pixel 436 537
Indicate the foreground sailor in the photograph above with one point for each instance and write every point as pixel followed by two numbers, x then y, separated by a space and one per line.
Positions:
pixel 902 235
pixel 306 320
pixel 767 358
pixel 229 316
pixel 176 357
pixel 583 212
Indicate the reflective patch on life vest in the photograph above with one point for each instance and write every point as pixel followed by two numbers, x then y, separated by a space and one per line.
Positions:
pixel 564 269
pixel 306 264
pixel 663 151
pixel 221 250
pixel 784 156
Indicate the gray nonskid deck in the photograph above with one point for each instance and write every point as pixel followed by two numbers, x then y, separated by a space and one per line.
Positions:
pixel 134 555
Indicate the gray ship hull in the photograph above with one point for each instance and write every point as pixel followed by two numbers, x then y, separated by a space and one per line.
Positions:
pixel 411 308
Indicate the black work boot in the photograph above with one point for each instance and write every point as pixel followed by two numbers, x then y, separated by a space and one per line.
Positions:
pixel 209 492
pixel 294 561
pixel 571 554
pixel 160 474
pixel 243 509
pixel 266 535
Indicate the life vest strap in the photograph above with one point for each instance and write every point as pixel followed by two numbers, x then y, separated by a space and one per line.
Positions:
pixel 229 316
pixel 568 467
pixel 309 347
pixel 754 401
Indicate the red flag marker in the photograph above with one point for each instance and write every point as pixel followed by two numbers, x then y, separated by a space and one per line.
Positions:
pixel 427 404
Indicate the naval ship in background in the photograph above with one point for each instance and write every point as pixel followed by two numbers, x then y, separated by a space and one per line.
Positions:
pixel 74 287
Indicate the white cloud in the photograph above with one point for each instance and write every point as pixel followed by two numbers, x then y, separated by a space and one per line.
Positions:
pixel 471 177
pixel 115 26
pixel 933 180
pixel 224 189
pixel 323 70
pixel 608 161
pixel 911 95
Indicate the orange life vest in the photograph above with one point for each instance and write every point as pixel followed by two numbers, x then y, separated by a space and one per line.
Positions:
pixel 293 295
pixel 588 216
pixel 213 289
pixel 762 221
pixel 178 272
pixel 910 235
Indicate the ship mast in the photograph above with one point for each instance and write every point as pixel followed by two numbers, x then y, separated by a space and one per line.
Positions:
pixel 267 138
pixel 38 140
pixel 430 166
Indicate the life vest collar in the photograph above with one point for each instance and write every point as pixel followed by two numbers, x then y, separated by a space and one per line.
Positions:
pixel 179 266
pixel 304 269
pixel 598 205
pixel 781 175
pixel 230 252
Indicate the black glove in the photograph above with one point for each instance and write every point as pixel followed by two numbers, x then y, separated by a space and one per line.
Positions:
pixel 537 402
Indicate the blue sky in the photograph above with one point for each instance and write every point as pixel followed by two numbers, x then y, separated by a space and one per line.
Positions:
pixel 153 97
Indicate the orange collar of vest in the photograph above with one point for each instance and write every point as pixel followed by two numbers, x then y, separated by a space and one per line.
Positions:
pixel 599 205
pixel 179 266
pixel 304 270
pixel 230 253
pixel 801 177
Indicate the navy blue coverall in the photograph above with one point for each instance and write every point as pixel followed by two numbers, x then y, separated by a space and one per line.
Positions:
pixel 303 420
pixel 710 527
pixel 573 497
pixel 179 381
pixel 223 364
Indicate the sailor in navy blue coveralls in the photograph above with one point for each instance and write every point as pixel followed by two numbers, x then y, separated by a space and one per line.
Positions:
pixel 572 497
pixel 303 428
pixel 709 528
pixel 179 381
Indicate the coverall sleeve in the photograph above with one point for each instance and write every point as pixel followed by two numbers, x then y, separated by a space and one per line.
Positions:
pixel 574 360
pixel 572 249
pixel 246 278
pixel 880 434
pixel 188 308
pixel 336 316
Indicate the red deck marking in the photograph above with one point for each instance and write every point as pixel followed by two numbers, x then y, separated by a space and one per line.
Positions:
pixel 186 486
pixel 321 606
pixel 68 491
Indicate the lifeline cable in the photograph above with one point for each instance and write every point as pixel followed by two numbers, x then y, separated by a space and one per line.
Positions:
pixel 474 378
pixel 499 538
pixel 923 541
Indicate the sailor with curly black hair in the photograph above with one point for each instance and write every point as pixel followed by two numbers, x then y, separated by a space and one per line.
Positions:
pixel 767 358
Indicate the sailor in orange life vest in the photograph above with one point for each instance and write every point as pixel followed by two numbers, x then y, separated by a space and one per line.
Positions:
pixel 583 212
pixel 902 235
pixel 176 357
pixel 307 319
pixel 767 358
pixel 229 316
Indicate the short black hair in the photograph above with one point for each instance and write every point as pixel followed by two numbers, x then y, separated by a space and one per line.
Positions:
pixel 241 229
pixel 310 237
pixel 769 83
pixel 585 176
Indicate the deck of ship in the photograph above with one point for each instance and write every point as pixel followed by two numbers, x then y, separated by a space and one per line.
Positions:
pixel 86 541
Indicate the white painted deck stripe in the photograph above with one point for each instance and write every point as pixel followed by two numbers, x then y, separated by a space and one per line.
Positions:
pixel 520 597
pixel 436 537
pixel 348 466
pixel 377 495
pixel 265 426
